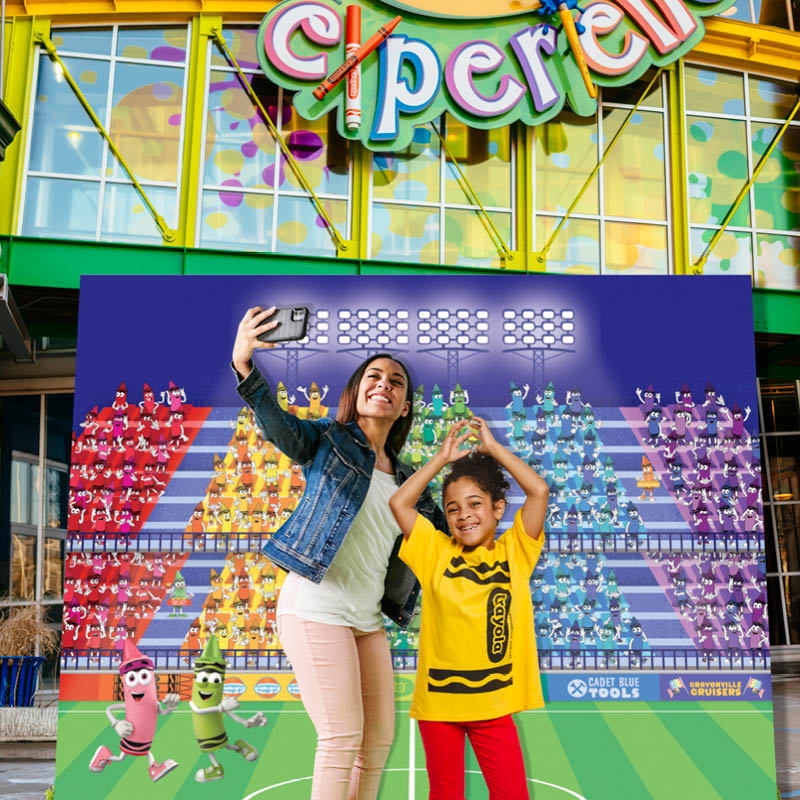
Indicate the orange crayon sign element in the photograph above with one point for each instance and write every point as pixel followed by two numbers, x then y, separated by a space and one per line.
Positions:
pixel 358 56
pixel 352 112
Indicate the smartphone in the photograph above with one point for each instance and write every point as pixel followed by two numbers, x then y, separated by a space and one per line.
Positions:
pixel 292 325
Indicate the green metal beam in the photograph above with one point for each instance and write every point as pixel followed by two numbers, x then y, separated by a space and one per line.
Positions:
pixel 776 311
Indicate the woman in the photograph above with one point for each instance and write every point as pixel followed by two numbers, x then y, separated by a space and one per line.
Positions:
pixel 340 548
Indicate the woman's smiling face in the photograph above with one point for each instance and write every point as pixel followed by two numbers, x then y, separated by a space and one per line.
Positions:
pixel 382 391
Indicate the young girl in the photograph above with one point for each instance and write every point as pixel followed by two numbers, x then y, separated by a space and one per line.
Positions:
pixel 477 654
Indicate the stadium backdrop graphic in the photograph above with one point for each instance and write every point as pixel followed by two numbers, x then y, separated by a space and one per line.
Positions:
pixel 635 397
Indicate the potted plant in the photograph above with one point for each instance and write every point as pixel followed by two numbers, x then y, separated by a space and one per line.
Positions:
pixel 20 629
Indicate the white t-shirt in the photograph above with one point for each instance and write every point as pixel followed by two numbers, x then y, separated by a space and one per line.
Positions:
pixel 351 591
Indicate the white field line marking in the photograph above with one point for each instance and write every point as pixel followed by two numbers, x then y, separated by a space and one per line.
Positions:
pixel 411 796
pixel 412 760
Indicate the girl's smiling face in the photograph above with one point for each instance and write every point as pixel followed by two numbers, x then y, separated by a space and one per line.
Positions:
pixel 471 514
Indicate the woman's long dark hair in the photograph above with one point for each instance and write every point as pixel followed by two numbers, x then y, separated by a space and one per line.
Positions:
pixel 347 403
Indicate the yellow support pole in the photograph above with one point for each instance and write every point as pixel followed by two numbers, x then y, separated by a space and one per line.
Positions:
pixel 540 258
pixel 507 256
pixel 344 248
pixel 697 267
pixel 679 168
pixel 42 38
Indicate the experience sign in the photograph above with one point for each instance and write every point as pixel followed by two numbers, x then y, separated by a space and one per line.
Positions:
pixel 487 62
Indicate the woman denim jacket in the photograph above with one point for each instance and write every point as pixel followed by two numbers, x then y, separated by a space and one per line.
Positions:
pixel 337 464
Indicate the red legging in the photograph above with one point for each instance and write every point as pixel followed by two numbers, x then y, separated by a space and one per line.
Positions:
pixel 496 746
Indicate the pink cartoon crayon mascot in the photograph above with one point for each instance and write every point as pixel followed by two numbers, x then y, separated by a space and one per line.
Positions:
pixel 142 709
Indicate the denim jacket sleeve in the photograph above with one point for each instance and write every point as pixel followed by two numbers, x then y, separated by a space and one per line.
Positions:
pixel 297 438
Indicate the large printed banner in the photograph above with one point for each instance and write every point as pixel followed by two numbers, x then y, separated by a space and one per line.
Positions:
pixel 634 397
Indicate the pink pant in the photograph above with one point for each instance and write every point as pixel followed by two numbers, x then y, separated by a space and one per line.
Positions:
pixel 346 682
pixel 496 746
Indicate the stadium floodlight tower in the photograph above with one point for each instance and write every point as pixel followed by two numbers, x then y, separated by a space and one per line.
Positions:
pixel 539 335
pixel 314 342
pixel 452 336
pixel 365 332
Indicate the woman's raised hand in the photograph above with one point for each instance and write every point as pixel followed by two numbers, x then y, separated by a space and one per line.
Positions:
pixel 253 324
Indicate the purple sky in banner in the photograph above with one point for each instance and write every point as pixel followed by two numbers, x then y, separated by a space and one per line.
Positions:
pixel 629 331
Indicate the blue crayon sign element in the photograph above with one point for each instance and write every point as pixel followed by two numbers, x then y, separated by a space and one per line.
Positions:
pixel 586 687
pixel 234 687
pixel 267 687
pixel 716 686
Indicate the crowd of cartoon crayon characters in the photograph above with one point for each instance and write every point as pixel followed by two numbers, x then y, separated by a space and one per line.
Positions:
pixel 122 460
pixel 699 453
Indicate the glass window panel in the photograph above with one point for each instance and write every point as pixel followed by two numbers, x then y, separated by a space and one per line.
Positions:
pixel 791 587
pixel 769 540
pixel 633 249
pixel 411 174
pixel 467 242
pixel 23 567
pixel 236 220
pixel 91 40
pixel 242 44
pixel 127 219
pixel 240 150
pixel 566 152
pixel 780 406
pixel 405 233
pixel 301 230
pixel 576 249
pixel 730 256
pixel 740 11
pixel 146 121
pixel 713 90
pixel 774 12
pixel 717 169
pixel 784 466
pixel 631 93
pixel 777 632
pixel 485 158
pixel 633 176
pixel 57 207
pixel 52 580
pixel 154 44
pixel 777 261
pixel 63 138
pixel 777 189
pixel 787 518
pixel 24 492
pixel 770 99
pixel 59 426
pixel 319 149
pixel 56 498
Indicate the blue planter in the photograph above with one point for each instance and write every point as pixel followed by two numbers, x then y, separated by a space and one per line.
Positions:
pixel 18 679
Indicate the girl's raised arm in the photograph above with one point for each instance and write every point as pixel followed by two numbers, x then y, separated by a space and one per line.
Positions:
pixel 402 502
pixel 536 491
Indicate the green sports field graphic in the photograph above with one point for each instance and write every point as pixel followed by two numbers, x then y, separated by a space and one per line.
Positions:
pixel 595 751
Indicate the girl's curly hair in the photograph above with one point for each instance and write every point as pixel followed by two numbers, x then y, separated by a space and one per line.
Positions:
pixel 484 470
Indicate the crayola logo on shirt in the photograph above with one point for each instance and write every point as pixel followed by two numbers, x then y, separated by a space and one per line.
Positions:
pixel 466 9
pixel 497 611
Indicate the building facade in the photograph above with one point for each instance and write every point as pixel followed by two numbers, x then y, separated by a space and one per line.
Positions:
pixel 216 195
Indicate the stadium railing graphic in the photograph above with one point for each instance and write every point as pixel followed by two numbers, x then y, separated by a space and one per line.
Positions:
pixel 661 659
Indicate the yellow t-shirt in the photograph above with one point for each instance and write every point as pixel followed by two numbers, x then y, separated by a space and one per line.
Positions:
pixel 477 651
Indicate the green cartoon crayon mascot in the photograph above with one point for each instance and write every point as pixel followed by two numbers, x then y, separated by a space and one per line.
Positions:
pixel 208 705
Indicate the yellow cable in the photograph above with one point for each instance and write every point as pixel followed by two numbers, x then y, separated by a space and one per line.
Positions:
pixel 494 234
pixel 167 233
pixel 296 168
pixel 700 263
pixel 551 239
